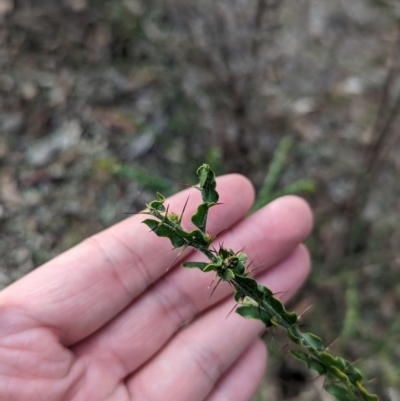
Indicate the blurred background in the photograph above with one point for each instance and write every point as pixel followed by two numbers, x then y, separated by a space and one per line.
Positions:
pixel 102 99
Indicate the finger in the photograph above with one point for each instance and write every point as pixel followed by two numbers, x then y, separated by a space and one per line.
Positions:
pixel 287 277
pixel 195 359
pixel 241 381
pixel 142 341
pixel 81 290
pixel 182 294
pixel 270 234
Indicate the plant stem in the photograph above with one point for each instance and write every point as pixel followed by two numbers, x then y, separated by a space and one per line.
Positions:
pixel 255 300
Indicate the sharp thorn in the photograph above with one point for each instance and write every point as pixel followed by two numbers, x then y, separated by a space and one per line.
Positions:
pixel 176 257
pixel 213 290
pixel 262 264
pixel 183 210
pixel 212 281
pixel 234 307
pixel 305 310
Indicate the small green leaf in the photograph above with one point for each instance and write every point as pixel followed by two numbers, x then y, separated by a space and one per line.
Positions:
pixel 157 204
pixel 293 336
pixel 267 293
pixel 327 358
pixel 367 396
pixel 239 268
pixel 165 231
pixel 210 267
pixel 250 287
pixel 254 312
pixel 289 317
pixel 311 362
pixel 354 373
pixel 340 375
pixel 200 218
pixel 196 238
pixel 227 275
pixel 317 366
pixel 238 296
pixel 302 356
pixel 340 392
pixel 341 363
pixel 207 184
pixel 310 340
pixel 199 265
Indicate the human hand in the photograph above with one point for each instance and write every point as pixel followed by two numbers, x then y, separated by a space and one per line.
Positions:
pixel 104 321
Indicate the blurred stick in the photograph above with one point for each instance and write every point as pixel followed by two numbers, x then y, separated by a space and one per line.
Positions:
pixel 382 131
pixel 387 112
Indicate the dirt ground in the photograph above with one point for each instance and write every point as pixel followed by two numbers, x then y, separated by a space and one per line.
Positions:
pixel 100 99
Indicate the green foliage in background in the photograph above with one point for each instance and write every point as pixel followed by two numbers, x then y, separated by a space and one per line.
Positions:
pixel 268 191
pixel 150 181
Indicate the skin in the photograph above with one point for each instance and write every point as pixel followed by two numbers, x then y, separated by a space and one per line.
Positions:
pixel 105 321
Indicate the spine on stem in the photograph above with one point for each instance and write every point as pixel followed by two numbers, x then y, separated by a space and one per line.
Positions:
pixel 255 301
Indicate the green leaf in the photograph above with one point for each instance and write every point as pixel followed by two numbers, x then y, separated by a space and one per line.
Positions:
pixel 370 397
pixel 327 358
pixel 249 286
pixel 200 218
pixel 165 231
pixel 367 396
pixel 317 366
pixel 300 355
pixel 311 340
pixel 289 317
pixel 293 336
pixel 340 375
pixel 156 205
pixel 311 362
pixel 207 184
pixel 239 268
pixel 160 197
pixel 242 257
pixel 340 392
pixel 196 237
pixel 254 312
pixel 210 267
pixel 267 293
pixel 354 373
pixel 199 265
pixel 238 296
pixel 227 275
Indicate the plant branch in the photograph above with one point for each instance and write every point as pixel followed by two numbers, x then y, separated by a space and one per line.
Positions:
pixel 256 301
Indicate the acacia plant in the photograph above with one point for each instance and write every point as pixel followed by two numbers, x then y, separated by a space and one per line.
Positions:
pixel 256 301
